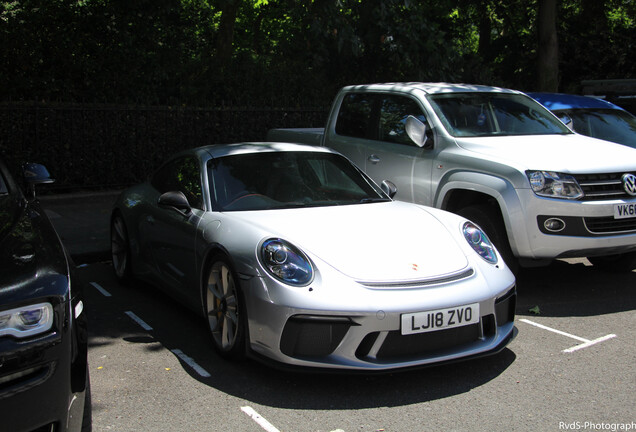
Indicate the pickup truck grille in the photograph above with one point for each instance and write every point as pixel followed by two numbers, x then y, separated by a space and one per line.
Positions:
pixel 597 187
pixel 609 225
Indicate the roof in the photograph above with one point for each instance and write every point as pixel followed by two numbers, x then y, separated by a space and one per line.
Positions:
pixel 560 101
pixel 430 88
pixel 220 150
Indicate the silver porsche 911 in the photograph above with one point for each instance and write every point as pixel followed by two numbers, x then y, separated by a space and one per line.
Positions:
pixel 295 256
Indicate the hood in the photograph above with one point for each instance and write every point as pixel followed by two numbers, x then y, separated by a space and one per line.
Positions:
pixel 570 153
pixel 29 250
pixel 377 242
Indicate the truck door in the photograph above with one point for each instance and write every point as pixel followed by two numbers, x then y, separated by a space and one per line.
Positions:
pixel 391 155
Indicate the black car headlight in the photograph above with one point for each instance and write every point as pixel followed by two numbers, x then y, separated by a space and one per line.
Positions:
pixel 286 262
pixel 26 321
pixel 479 241
pixel 554 185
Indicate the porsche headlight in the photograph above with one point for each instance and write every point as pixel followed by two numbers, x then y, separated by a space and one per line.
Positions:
pixel 286 262
pixel 27 320
pixel 554 185
pixel 480 243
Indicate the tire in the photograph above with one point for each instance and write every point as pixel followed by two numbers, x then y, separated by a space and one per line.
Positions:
pixel 490 220
pixel 615 263
pixel 87 416
pixel 120 248
pixel 224 311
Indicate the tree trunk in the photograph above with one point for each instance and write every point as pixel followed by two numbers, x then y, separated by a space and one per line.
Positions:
pixel 548 52
pixel 225 37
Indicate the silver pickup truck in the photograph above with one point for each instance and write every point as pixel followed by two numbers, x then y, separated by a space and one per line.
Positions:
pixel 498 158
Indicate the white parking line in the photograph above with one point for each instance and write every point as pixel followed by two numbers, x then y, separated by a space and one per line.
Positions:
pixel 589 343
pixel 100 289
pixel 139 321
pixel 586 342
pixel 258 419
pixel 190 362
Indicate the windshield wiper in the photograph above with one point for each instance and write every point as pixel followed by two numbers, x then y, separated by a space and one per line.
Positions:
pixel 373 200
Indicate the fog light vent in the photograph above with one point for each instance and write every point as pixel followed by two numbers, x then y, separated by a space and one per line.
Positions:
pixel 554 225
pixel 313 336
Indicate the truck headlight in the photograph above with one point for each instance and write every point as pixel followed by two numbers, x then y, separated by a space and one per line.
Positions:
pixel 27 320
pixel 554 185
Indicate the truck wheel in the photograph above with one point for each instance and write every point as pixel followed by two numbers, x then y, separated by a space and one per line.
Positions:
pixel 490 220
pixel 615 263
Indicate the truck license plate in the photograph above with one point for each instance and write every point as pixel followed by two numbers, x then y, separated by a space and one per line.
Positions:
pixel 624 211
pixel 440 319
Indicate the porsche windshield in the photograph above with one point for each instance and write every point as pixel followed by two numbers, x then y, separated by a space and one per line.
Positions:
pixel 488 114
pixel 276 180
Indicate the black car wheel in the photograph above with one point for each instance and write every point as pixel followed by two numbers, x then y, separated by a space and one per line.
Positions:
pixel 120 248
pixel 225 314
pixel 87 417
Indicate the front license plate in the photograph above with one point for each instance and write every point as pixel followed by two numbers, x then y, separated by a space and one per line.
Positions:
pixel 422 322
pixel 624 211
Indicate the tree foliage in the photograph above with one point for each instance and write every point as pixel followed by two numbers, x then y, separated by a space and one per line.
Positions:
pixel 289 52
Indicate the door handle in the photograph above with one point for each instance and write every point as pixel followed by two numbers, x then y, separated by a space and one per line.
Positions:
pixel 374 159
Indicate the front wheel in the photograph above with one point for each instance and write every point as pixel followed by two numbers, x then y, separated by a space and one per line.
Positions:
pixel 615 263
pixel 490 220
pixel 225 314
pixel 120 248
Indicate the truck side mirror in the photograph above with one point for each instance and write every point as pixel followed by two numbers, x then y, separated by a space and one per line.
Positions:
pixel 416 130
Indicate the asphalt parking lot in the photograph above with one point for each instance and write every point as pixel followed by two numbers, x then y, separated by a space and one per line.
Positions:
pixel 571 367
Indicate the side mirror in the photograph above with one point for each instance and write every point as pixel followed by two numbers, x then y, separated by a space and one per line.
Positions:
pixel 34 174
pixel 416 130
pixel 389 188
pixel 175 200
pixel 566 119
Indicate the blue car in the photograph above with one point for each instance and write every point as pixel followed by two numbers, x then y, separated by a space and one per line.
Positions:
pixel 591 116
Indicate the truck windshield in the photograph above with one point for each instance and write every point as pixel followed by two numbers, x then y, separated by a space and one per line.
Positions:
pixel 489 114
pixel 279 180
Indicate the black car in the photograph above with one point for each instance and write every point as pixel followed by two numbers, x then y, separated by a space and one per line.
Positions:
pixel 44 381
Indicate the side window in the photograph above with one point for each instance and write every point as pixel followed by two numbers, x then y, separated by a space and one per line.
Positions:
pixel 354 118
pixel 181 175
pixel 393 113
pixel 3 187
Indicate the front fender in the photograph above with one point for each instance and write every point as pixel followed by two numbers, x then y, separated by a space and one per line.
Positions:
pixel 497 188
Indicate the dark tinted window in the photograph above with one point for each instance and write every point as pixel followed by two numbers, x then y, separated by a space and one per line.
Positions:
pixel 377 116
pixel 3 186
pixel 488 114
pixel 276 180
pixel 354 118
pixel 181 175
pixel 611 125
pixel 393 114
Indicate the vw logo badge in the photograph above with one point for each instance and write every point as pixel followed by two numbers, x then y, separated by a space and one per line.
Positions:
pixel 629 183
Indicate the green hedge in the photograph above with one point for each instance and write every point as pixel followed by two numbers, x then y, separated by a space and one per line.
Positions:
pixel 93 146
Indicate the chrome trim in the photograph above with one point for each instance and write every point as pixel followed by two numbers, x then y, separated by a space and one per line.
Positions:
pixel 422 282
